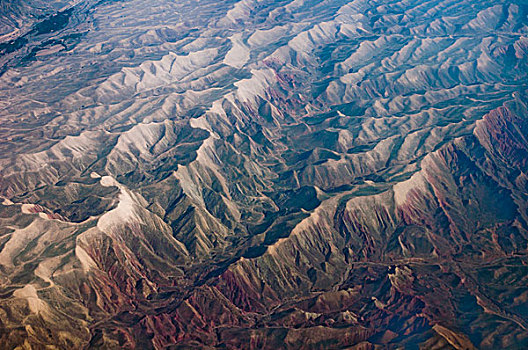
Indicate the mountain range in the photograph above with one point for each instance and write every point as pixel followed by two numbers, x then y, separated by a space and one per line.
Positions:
pixel 264 174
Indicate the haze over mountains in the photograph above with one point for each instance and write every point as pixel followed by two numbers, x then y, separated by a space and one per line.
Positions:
pixel 264 174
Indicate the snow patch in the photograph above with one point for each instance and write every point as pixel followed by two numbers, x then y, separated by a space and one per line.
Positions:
pixel 124 212
pixel 108 181
pixel 265 37
pixel 238 56
pixel 248 89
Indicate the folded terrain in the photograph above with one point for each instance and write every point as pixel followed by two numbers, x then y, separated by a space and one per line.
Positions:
pixel 263 174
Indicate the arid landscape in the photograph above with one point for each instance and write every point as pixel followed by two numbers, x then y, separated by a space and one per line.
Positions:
pixel 263 174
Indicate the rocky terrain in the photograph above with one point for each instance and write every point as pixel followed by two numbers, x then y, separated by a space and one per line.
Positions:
pixel 257 174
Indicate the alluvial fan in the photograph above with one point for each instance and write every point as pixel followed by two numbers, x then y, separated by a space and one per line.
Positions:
pixel 264 174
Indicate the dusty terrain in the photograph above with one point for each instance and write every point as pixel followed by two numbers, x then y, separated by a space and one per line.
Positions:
pixel 264 174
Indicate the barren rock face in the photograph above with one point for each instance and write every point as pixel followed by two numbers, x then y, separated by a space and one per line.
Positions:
pixel 263 174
